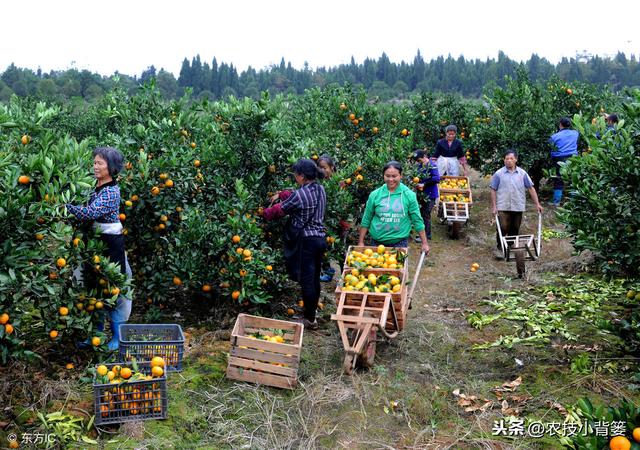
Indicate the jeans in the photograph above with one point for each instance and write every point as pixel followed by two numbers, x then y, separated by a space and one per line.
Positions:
pixel 510 222
pixel 403 243
pixel 310 263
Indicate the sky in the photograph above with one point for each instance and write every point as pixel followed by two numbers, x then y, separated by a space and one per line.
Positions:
pixel 129 36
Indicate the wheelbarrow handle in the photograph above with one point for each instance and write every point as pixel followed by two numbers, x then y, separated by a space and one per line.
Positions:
pixel 500 236
pixel 423 255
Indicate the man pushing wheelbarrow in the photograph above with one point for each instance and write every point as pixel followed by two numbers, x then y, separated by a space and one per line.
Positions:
pixel 508 202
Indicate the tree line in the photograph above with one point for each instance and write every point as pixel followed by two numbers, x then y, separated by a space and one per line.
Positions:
pixel 381 78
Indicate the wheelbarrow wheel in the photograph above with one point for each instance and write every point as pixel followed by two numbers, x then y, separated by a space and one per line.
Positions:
pixel 369 354
pixel 347 364
pixel 520 263
pixel 454 229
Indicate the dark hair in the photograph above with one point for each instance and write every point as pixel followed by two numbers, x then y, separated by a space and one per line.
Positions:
pixel 565 122
pixel 510 151
pixel 112 156
pixel 395 164
pixel 308 169
pixel 451 127
pixel 329 160
pixel 613 118
pixel 419 154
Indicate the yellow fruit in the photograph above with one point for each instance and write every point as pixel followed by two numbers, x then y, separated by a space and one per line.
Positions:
pixel 95 341
pixel 99 305
pixel 69 366
pixel 76 242
pixel 157 371
pixel 235 295
pixel 269 268
pixel 168 183
pixel 290 312
pixel 96 259
pixel 4 319
pixel 61 262
pixel 631 294
pixel 125 373
pixel 355 272
pixel 63 310
pixel 246 253
pixel 636 434
pixel 157 361
pixel 102 370
pixel 111 375
pixel 53 334
pixel 8 328
pixel 476 265
pixel 473 269
pixel 177 281
pixel 381 249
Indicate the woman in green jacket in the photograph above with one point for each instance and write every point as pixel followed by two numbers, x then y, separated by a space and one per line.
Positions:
pixel 391 211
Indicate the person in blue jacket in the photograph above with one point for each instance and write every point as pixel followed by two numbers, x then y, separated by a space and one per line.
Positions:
pixel 565 145
pixel 428 185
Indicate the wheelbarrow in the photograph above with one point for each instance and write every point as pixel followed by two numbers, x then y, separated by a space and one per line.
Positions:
pixel 520 248
pixel 360 315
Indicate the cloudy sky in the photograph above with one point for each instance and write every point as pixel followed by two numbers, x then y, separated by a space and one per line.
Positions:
pixel 129 36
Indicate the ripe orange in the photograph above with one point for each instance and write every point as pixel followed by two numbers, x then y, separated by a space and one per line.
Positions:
pixel 239 250
pixel 157 371
pixel 157 361
pixel 193 145
pixel 196 163
pixel 619 443
pixel 155 190
pixel 8 328
pixel 235 295
pixel 114 291
pixel 476 265
pixel 352 116
pixel 473 269
pixel 290 311
pixel 569 91
pixel 129 166
pixel 69 366
pixel 53 276
pixel 177 281
pixel 122 217
pixel 95 341
pixel 168 183
pixel 320 305
pixel 348 181
pixel 206 288
pixel 96 259
pixel 242 273
pixel 125 373
pixel 61 262
pixel 4 319
pixel 14 444
pixel 39 236
pixel 416 180
pixel 178 209
pixel 135 198
pixel 404 132
pixel 63 310
pixel 636 434
pixel 163 218
pixel 76 242
pixel 53 334
pixel 162 226
pixel 301 303
pixel 102 370
pixel 246 253
pixel 269 268
pixel 25 139
pixel 359 177
pixel 375 130
pixel 80 306
pixel 24 179
pixel 128 203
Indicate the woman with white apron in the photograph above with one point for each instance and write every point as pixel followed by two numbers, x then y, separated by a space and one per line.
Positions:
pixel 449 152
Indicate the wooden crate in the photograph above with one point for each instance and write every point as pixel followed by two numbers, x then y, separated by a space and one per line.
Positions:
pixel 362 248
pixel 398 299
pixel 263 362
pixel 466 192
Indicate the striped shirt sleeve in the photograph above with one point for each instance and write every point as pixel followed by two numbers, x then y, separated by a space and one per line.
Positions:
pixel 106 202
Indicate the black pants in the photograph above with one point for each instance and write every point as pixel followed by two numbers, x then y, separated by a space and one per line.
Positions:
pixel 310 262
pixel 116 254
pixel 510 222
pixel 558 183
pixel 426 205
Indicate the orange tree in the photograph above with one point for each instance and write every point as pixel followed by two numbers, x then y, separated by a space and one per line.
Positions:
pixel 602 210
pixel 41 303
pixel 523 115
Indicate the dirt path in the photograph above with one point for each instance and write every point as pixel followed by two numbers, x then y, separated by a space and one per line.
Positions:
pixel 406 400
